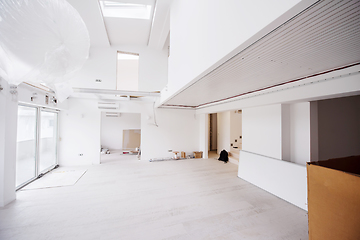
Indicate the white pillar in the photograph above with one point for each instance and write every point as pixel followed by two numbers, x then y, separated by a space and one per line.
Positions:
pixel 285 133
pixel 314 132
pixel 204 134
pixel 8 133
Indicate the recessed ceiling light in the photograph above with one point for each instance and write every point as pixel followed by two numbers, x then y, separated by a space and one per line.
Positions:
pixel 125 10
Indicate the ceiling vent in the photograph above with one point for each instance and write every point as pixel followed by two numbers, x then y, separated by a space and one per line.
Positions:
pixel 108 105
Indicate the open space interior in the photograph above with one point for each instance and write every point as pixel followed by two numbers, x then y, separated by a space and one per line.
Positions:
pixel 114 114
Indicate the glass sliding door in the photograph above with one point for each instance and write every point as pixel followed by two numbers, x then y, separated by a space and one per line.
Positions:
pixel 36 150
pixel 26 145
pixel 48 140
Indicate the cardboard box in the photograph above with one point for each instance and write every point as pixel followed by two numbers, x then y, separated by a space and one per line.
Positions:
pixel 334 198
pixel 183 155
pixel 198 154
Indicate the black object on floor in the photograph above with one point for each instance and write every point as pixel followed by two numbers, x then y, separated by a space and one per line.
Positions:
pixel 224 156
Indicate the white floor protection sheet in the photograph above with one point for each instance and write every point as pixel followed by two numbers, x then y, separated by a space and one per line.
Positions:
pixel 56 178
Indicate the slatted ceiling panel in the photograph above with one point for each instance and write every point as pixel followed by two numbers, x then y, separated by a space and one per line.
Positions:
pixel 325 36
pixel 299 63
pixel 255 54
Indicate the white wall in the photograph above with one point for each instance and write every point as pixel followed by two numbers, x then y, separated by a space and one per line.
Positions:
pixel 112 128
pixel 236 128
pixel 127 74
pixel 195 47
pixel 204 134
pixel 102 65
pixel 300 133
pixel 339 129
pixel 261 129
pixel 153 69
pixel 177 130
pixel 223 128
pixel 285 132
pixel 79 133
pixel 25 92
pixel 8 133
pixel 283 179
pixel 280 131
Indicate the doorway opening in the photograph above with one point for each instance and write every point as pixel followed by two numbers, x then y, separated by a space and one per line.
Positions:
pixel 120 136
pixel 213 132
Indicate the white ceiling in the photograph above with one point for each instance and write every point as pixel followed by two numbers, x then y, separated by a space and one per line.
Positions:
pixel 106 31
pixel 90 12
pixel 323 37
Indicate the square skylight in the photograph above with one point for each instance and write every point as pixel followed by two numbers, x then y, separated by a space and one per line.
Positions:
pixel 118 9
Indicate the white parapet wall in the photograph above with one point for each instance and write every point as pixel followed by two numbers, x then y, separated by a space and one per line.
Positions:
pixel 285 180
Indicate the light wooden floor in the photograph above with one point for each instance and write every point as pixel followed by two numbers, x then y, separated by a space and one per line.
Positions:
pixel 124 198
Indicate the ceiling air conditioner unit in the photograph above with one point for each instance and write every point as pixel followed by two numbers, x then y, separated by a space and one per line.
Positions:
pixel 108 105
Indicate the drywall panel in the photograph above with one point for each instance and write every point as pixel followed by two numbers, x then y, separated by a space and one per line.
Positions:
pixel 261 129
pixel 79 133
pixel 131 139
pixel 112 128
pixel 8 133
pixel 283 179
pixel 223 128
pixel 176 130
pixel 102 65
pixel 300 133
pixel 203 32
pixel 339 129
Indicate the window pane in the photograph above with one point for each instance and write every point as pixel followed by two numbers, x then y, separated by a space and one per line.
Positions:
pixel 48 140
pixel 26 145
pixel 125 10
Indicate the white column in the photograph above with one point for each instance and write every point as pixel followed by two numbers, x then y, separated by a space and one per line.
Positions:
pixel 223 128
pixel 314 132
pixel 285 133
pixel 204 134
pixel 8 133
pixel 300 133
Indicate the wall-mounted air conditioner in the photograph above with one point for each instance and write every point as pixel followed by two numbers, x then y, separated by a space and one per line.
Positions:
pixel 112 114
pixel 108 105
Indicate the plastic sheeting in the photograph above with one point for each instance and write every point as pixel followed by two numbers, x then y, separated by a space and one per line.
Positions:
pixel 41 41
